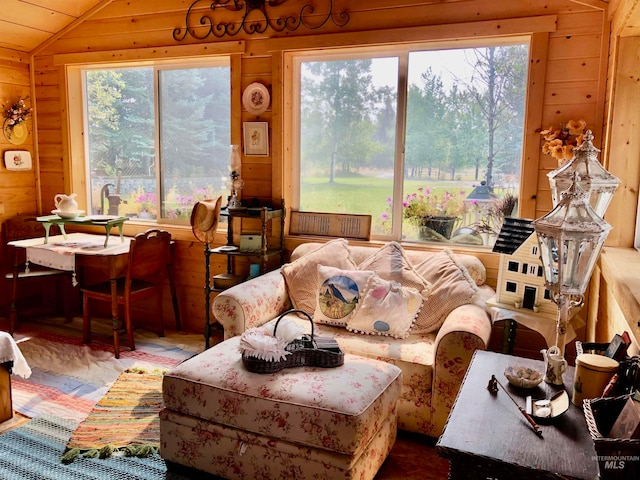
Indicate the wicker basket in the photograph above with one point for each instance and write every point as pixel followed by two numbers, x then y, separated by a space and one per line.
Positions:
pixel 618 458
pixel 310 351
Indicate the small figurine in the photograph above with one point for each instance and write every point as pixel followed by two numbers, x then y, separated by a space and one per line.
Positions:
pixel 493 385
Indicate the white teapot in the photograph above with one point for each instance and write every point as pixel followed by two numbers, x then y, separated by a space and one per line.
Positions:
pixel 66 203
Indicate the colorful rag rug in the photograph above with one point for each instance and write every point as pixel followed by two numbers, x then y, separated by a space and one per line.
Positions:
pixel 33 450
pixel 68 378
pixel 125 420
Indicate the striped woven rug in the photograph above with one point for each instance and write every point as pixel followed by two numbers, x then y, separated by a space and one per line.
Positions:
pixel 124 420
pixel 68 381
pixel 68 378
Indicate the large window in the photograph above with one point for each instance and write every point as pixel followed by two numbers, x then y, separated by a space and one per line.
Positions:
pixel 428 142
pixel 157 138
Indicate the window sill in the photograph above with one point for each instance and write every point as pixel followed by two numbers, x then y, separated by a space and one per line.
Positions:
pixel 619 269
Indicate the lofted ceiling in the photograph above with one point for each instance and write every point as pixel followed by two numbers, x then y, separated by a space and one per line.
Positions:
pixel 27 24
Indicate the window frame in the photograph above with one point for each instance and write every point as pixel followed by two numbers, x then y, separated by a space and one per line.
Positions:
pixel 402 52
pixel 73 117
pixel 534 29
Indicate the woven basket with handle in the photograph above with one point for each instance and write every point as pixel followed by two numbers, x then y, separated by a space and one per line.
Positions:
pixel 310 350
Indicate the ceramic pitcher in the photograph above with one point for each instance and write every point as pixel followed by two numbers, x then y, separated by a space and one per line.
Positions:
pixel 66 203
pixel 555 365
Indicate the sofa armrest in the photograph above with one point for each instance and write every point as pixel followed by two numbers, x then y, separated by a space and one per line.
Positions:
pixel 466 329
pixel 251 303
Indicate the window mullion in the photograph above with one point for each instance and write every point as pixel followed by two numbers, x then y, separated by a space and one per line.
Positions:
pixel 401 127
pixel 157 161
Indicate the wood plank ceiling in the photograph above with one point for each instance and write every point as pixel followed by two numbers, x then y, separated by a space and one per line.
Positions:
pixel 27 24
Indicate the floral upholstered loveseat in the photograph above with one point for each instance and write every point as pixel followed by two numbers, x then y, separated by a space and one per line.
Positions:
pixel 433 347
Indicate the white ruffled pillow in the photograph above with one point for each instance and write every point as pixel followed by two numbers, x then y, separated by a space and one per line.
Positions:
pixel 386 308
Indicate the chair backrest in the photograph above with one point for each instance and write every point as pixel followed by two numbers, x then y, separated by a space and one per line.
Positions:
pixel 21 227
pixel 149 255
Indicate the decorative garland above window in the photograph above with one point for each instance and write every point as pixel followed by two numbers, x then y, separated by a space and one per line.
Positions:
pixel 258 16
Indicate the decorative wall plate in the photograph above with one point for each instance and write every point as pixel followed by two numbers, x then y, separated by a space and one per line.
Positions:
pixel 256 98
pixel 17 160
pixel 16 134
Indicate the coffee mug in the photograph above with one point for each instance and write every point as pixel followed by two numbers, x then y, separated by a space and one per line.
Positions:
pixel 555 365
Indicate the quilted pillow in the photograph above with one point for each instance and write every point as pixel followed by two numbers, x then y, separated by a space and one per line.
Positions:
pixel 390 263
pixel 339 292
pixel 386 308
pixel 301 276
pixel 452 287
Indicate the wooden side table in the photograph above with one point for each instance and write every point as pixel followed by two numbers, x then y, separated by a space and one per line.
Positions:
pixel 487 438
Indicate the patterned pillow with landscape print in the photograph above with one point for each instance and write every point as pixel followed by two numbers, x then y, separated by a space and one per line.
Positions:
pixel 339 292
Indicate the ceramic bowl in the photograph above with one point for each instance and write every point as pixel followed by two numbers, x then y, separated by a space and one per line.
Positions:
pixel 523 377
pixel 67 215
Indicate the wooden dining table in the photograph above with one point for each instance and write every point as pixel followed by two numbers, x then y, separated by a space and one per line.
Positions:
pixel 80 252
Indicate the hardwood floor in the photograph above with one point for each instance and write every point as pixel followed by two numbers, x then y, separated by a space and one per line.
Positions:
pixel 413 458
pixel 15 421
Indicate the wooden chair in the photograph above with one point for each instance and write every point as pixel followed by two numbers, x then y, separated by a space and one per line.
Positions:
pixel 58 282
pixel 146 272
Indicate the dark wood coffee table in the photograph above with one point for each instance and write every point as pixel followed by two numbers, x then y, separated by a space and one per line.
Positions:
pixel 487 438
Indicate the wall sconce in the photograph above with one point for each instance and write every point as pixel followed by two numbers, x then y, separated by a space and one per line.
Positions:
pixel 594 179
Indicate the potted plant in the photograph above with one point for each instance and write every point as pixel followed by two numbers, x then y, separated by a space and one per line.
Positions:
pixel 436 211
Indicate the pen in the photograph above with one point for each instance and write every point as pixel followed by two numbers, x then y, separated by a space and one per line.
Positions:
pixel 493 389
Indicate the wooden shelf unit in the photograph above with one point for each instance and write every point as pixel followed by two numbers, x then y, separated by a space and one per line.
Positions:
pixel 266 253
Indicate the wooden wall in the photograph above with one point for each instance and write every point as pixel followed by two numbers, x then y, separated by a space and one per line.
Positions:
pixel 17 188
pixel 615 285
pixel 573 73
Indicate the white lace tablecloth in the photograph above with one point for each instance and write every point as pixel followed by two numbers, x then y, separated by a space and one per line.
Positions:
pixel 9 352
pixel 60 253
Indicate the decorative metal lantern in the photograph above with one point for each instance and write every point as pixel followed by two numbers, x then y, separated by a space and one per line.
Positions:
pixel 570 237
pixel 235 183
pixel 599 184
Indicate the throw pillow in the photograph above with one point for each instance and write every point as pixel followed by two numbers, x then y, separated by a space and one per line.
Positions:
pixel 301 276
pixel 452 287
pixel 474 266
pixel 386 308
pixel 390 263
pixel 339 292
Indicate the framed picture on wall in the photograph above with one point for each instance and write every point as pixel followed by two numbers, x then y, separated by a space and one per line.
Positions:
pixel 256 138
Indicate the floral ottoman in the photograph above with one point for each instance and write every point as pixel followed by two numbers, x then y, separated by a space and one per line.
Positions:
pixel 298 423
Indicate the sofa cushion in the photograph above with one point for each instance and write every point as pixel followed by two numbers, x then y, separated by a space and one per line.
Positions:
pixel 390 263
pixel 385 308
pixel 452 287
pixel 301 275
pixel 414 355
pixel 338 293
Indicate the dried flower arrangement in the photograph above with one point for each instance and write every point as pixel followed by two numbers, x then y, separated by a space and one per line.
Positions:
pixel 562 140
